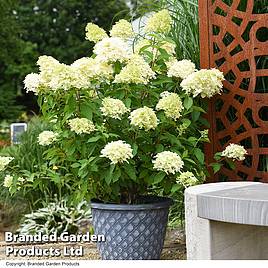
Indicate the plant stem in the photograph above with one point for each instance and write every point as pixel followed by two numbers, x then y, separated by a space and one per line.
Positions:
pixel 78 98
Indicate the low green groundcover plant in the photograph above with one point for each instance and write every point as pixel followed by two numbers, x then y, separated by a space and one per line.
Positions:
pixel 56 217
pixel 127 121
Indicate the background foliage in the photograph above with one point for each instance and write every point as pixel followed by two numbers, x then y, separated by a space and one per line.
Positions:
pixel 30 28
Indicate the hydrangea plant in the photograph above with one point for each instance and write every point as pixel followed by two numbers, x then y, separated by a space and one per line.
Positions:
pixel 127 120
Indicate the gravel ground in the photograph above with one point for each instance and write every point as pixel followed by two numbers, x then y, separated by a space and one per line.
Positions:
pixel 174 248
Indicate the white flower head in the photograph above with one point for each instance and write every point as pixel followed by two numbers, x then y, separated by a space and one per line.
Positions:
pixel 46 63
pixel 80 75
pixel 122 29
pixel 137 71
pixel 112 49
pixel 32 82
pixel 168 162
pixel 95 33
pixel 117 151
pixel 187 179
pixel 206 83
pixel 4 161
pixel 180 69
pixel 63 78
pixel 46 137
pixel 81 125
pixel 235 152
pixel 144 118
pixel 159 22
pixel 89 69
pixel 8 180
pixel 55 75
pixel 171 104
pixel 113 108
pixel 47 66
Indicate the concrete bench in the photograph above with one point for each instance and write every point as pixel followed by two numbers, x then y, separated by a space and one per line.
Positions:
pixel 227 221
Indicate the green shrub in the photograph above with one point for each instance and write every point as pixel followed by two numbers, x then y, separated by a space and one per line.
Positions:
pixel 28 163
pixel 28 155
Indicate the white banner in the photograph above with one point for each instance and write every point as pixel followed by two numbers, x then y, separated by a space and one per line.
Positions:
pixel 131 264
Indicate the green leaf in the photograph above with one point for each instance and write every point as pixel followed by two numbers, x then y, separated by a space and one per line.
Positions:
pixel 148 54
pixel 93 168
pixel 185 154
pixel 159 177
pixel 13 190
pixel 90 159
pixel 231 164
pixel 135 149
pixel 86 111
pixel 192 140
pixel 93 139
pixel 162 81
pixel 188 102
pixel 75 165
pixel 82 173
pixel 175 188
pixel 199 155
pixel 117 67
pixel 204 122
pixel 186 122
pixel 164 55
pixel 159 148
pixel 217 156
pixel 171 138
pixel 55 178
pixel 195 115
pixel 189 160
pixel 144 48
pixel 109 174
pixel 116 174
pixel 70 107
pixel 128 103
pixel 144 173
pixel 131 171
pixel 84 163
pixel 199 109
pixel 70 150
pixel 216 167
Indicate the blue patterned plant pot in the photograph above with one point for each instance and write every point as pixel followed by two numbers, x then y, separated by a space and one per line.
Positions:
pixel 132 232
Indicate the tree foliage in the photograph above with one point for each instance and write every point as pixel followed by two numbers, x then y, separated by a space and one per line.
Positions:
pixel 10 51
pixel 30 28
pixel 57 27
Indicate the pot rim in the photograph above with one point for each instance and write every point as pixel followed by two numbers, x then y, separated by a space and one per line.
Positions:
pixel 157 202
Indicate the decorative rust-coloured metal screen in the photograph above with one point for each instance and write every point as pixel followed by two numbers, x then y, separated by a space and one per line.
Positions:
pixel 234 38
